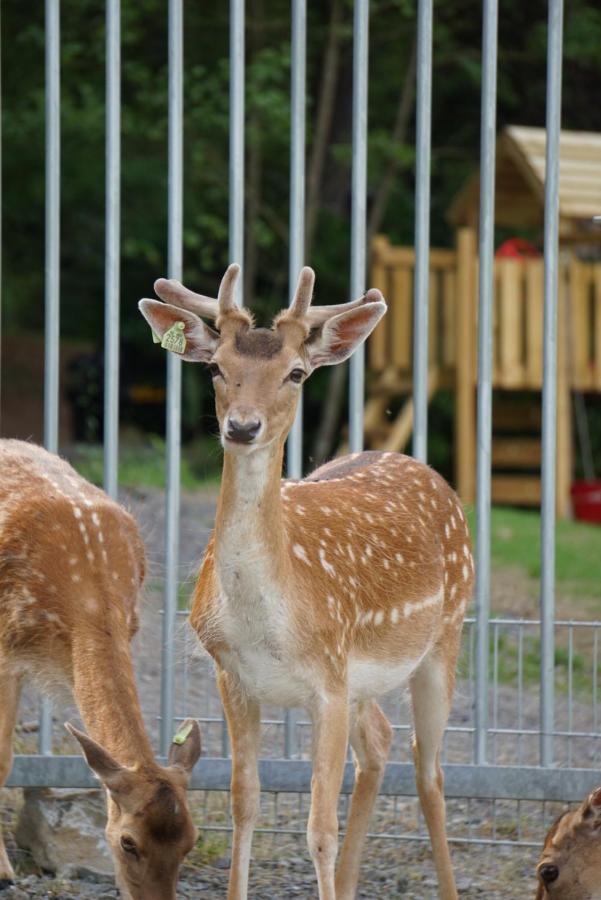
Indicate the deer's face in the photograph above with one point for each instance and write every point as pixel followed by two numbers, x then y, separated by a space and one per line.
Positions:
pixel 258 372
pixel 150 831
pixel 257 380
pixel 149 827
pixel 570 865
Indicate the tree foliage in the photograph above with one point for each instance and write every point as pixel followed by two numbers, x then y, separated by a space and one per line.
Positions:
pixel 455 130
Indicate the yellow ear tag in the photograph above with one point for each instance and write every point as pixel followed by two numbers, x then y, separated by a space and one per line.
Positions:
pixel 174 339
pixel 155 338
pixel 182 734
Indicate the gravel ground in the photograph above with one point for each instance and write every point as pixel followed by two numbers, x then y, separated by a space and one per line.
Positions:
pixel 281 867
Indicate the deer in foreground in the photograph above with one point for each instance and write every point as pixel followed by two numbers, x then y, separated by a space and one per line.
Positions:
pixel 570 864
pixel 323 593
pixel 71 566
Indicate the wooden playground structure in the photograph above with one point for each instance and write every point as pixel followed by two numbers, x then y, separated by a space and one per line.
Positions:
pixel 517 321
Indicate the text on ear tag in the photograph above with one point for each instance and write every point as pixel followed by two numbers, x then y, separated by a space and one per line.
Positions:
pixel 182 734
pixel 174 339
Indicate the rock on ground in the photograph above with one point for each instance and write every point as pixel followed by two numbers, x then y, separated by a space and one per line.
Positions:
pixel 64 830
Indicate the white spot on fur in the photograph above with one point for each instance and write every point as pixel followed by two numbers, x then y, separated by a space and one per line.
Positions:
pixel 300 552
pixel 326 565
pixel 379 617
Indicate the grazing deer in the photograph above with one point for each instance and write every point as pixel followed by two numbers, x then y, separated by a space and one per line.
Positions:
pixel 71 566
pixel 323 593
pixel 570 865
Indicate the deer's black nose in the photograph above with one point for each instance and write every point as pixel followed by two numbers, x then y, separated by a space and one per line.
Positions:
pixel 548 873
pixel 242 432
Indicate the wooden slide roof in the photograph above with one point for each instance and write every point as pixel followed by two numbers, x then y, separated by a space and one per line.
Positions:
pixel 520 182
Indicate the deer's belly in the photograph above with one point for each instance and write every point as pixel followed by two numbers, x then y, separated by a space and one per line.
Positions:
pixel 368 678
pixel 268 676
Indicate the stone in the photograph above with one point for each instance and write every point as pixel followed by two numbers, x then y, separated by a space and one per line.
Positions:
pixel 64 830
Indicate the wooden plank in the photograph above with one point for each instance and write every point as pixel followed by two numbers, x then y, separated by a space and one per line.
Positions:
pixel 597 340
pixel 516 490
pixel 465 433
pixel 510 364
pixel 401 428
pixel 405 256
pixel 378 343
pixel 401 320
pixel 564 450
pixel 578 355
pixel 449 314
pixel 433 319
pixel 535 289
pixel 516 453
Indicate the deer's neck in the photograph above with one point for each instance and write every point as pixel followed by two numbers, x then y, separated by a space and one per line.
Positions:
pixel 105 690
pixel 250 541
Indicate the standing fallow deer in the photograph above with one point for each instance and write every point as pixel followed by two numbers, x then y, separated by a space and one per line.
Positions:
pixel 323 593
pixel 570 864
pixel 71 567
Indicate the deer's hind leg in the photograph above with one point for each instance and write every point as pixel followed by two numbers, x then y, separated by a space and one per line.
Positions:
pixel 10 689
pixel 431 696
pixel 370 737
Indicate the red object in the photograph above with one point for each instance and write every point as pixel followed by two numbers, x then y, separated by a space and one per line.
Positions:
pixel 517 248
pixel 586 498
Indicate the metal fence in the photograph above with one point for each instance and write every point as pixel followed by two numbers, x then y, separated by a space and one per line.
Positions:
pixel 523 730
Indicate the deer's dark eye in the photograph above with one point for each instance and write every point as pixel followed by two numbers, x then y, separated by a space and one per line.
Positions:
pixel 296 376
pixel 214 370
pixel 129 845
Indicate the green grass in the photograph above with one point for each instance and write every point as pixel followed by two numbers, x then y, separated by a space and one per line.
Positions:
pixel 515 542
pixel 142 464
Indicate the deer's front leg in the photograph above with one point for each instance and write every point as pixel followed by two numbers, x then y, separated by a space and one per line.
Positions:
pixel 243 722
pixel 330 736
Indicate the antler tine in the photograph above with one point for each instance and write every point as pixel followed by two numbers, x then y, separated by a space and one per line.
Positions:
pixel 317 315
pixel 172 291
pixel 303 294
pixel 227 289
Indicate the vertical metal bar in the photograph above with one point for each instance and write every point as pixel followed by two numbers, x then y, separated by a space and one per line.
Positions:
pixel 486 274
pixel 113 236
pixel 52 272
pixel 236 173
pixel 549 399
pixel 520 692
pixel 298 61
pixel 297 197
pixel 421 290
pixel 570 691
pixel 174 373
pixel 358 210
pixel 236 182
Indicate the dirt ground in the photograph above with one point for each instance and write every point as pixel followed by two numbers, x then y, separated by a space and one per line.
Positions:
pixel 392 868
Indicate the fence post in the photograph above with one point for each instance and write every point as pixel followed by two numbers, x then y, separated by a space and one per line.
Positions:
pixel 52 273
pixel 174 374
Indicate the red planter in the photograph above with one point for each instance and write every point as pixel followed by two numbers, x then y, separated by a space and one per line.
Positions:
pixel 586 499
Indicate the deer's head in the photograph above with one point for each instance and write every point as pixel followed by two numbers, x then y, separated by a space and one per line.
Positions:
pixel 570 865
pixel 257 372
pixel 149 828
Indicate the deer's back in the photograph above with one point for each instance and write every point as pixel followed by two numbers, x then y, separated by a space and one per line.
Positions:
pixel 69 556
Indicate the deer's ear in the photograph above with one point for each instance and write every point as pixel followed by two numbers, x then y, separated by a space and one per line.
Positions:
pixel 184 751
pixel 592 806
pixel 114 776
pixel 200 340
pixel 339 337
